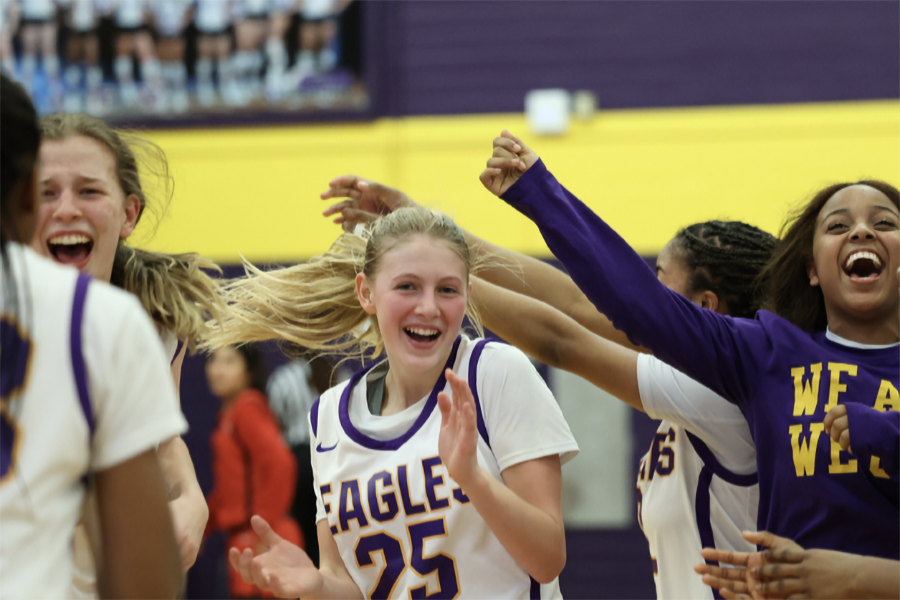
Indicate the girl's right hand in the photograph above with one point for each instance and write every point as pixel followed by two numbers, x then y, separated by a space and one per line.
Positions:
pixel 281 567
pixel 511 158
pixel 366 200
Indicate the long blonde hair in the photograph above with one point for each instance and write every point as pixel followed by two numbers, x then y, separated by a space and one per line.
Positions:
pixel 315 304
pixel 172 288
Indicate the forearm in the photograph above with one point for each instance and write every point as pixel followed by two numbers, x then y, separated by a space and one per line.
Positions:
pixel 876 433
pixel 535 540
pixel 539 280
pixel 336 581
pixel 140 555
pixel 178 470
pixel 699 342
pixel 558 341
pixel 335 586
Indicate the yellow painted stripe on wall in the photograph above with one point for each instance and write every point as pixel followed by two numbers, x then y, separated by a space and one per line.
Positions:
pixel 647 172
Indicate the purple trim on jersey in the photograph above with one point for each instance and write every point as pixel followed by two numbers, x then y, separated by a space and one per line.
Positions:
pixel 372 444
pixel 178 348
pixel 704 522
pixel 314 417
pixel 81 288
pixel 711 466
pixel 535 592
pixel 473 385
pixel 711 462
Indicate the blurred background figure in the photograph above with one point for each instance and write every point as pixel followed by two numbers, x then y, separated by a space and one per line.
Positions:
pixel 83 74
pixel 292 390
pixel 277 83
pixel 319 26
pixel 38 31
pixel 9 23
pixel 170 19
pixel 133 38
pixel 254 472
pixel 212 20
pixel 250 17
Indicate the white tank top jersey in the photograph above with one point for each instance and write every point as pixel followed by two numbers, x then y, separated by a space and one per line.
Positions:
pixel 170 16
pixel 250 8
pixel 318 9
pixel 91 391
pixel 402 526
pixel 38 10
pixel 5 10
pixel 84 568
pixel 211 16
pixel 82 15
pixel 130 13
pixel 697 487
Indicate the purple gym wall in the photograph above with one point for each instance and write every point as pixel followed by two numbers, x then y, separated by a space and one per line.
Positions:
pixel 429 58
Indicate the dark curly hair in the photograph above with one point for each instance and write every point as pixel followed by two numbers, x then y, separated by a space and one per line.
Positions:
pixel 726 258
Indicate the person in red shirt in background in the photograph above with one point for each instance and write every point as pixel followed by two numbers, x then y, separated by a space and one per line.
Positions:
pixel 254 471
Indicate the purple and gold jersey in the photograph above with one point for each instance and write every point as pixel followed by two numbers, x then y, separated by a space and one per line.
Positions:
pixel 783 379
pixel 403 527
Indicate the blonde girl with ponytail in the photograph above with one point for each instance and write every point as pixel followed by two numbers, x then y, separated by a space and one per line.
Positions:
pixel 467 496
pixel 91 199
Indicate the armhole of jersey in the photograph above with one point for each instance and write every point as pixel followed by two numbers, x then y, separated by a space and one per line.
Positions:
pixel 711 466
pixel 178 348
pixel 473 385
pixel 314 417
pixel 75 345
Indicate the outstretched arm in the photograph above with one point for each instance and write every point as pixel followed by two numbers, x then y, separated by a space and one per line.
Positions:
pixel 717 351
pixel 558 341
pixel 366 200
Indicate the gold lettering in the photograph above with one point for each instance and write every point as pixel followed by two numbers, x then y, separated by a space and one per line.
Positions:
pixel 805 455
pixel 888 398
pixel 875 468
pixel 806 397
pixel 836 465
pixel 836 386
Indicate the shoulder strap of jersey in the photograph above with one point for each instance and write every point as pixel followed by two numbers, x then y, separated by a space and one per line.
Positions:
pixel 75 346
pixel 314 416
pixel 473 385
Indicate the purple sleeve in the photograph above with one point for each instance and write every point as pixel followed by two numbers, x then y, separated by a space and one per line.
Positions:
pixel 876 433
pixel 720 352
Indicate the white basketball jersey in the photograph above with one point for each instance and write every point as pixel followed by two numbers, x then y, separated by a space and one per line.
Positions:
pixel 38 10
pixel 211 16
pixel 130 13
pixel 84 570
pixel 4 17
pixel 687 499
pixel 317 9
pixel 251 8
pixel 402 525
pixel 83 15
pixel 169 16
pixel 85 390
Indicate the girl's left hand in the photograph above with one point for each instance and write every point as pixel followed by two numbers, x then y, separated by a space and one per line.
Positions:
pixel 459 433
